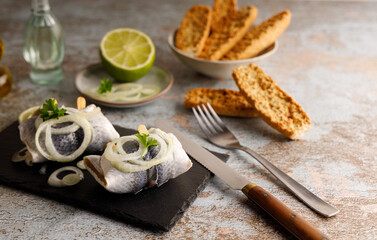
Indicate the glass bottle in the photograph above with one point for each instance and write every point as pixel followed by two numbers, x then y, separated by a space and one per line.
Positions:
pixel 44 44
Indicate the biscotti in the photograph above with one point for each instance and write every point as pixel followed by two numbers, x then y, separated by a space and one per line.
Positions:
pixel 225 102
pixel 220 42
pixel 194 29
pixel 276 107
pixel 260 37
pixel 222 9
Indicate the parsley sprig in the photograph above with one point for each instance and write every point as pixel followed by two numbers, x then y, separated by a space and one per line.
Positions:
pixel 146 142
pixel 105 86
pixel 51 110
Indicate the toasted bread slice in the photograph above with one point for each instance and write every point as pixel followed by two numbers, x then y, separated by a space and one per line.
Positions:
pixel 225 102
pixel 276 107
pixel 194 29
pixel 260 37
pixel 220 42
pixel 222 9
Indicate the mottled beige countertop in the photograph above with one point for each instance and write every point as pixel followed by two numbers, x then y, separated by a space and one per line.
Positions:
pixel 327 60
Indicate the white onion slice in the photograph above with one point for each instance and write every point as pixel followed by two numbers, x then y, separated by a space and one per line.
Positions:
pixel 81 164
pixel 161 156
pixel 23 155
pixel 112 153
pixel 71 179
pixel 132 162
pixel 86 112
pixel 126 92
pixel 66 130
pixel 52 153
pixel 122 97
pixel 68 180
pixel 122 140
pixel 38 121
pixel 150 89
pixel 70 111
pixel 127 88
pixel 19 157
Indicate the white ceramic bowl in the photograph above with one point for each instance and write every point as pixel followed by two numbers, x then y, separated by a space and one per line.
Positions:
pixel 217 69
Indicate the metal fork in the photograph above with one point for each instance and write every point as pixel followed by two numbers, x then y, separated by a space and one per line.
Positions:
pixel 219 134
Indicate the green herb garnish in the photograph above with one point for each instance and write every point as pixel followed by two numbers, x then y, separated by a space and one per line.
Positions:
pixel 105 86
pixel 146 142
pixel 51 110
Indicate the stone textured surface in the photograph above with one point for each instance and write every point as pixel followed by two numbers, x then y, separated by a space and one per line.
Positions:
pixel 326 60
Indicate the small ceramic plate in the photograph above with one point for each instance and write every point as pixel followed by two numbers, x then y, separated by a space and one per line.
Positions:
pixel 91 77
pixel 217 69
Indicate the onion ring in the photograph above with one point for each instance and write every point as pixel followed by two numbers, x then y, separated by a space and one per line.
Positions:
pixel 54 181
pixel 131 162
pixel 18 157
pixel 52 153
pixel 126 92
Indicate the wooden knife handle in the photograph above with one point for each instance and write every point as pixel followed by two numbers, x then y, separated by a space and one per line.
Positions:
pixel 297 225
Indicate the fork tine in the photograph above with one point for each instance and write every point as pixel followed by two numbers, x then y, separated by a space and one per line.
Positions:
pixel 209 116
pixel 201 124
pixel 205 119
pixel 214 114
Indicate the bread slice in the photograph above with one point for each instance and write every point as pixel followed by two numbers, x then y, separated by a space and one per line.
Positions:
pixel 276 107
pixel 194 29
pixel 225 102
pixel 221 41
pixel 260 37
pixel 222 9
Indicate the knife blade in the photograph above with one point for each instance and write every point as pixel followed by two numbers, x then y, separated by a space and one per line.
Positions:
pixel 293 222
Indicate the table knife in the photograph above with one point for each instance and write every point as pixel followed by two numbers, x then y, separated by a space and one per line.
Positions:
pixel 293 222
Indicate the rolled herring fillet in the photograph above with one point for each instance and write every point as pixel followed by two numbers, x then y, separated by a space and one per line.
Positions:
pixel 176 162
pixel 102 132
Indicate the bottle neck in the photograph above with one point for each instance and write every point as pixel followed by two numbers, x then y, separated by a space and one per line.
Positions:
pixel 40 6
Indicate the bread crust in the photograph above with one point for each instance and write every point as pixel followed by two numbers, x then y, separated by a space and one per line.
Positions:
pixel 276 107
pixel 222 9
pixel 225 102
pixel 233 29
pixel 194 29
pixel 260 37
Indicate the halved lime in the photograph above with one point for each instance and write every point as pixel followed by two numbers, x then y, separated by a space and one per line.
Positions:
pixel 127 54
pixel 28 113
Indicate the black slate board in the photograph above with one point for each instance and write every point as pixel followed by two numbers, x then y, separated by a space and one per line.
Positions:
pixel 154 208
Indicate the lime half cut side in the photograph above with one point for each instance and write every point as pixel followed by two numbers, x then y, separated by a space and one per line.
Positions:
pixel 127 54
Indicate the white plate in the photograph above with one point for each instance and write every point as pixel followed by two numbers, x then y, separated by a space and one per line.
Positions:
pixel 91 77
pixel 218 69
